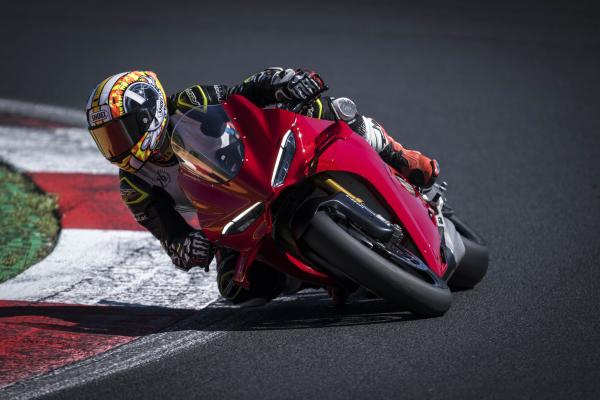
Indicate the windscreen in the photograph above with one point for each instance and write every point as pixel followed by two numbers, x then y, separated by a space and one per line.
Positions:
pixel 207 144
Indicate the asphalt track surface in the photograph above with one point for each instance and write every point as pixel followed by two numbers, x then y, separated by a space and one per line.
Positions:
pixel 504 96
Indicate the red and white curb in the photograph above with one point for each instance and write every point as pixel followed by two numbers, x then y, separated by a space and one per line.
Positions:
pixel 102 256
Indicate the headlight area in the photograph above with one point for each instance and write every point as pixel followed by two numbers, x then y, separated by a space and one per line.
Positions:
pixel 284 159
pixel 244 219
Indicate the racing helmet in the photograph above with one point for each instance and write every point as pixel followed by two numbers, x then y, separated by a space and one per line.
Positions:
pixel 127 118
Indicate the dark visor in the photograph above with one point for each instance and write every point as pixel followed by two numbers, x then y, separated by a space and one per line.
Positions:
pixel 116 138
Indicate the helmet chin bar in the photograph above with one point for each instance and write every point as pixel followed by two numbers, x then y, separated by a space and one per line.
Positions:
pixel 135 164
pixel 163 148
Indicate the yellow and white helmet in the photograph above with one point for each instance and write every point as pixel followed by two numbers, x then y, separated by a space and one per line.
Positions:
pixel 127 118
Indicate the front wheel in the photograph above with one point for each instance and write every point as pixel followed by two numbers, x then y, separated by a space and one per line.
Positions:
pixel 265 282
pixel 341 250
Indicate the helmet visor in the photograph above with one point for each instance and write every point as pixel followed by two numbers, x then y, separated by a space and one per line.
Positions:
pixel 116 138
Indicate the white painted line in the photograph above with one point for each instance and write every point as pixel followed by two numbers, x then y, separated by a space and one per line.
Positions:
pixel 52 150
pixel 150 349
pixel 94 266
pixel 61 115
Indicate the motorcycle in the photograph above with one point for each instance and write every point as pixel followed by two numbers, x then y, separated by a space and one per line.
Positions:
pixel 312 199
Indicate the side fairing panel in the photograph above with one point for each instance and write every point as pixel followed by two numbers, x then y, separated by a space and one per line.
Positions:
pixel 354 155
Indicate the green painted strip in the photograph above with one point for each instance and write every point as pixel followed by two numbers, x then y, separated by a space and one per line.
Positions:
pixel 29 224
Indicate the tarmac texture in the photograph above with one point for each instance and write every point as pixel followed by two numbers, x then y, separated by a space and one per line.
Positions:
pixel 505 97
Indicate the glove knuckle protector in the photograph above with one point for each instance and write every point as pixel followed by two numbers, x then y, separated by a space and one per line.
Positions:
pixel 190 250
pixel 297 84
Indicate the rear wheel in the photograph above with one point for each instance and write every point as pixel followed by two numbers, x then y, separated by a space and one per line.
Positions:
pixel 474 264
pixel 333 244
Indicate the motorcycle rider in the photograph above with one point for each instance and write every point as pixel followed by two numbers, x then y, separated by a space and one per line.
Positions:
pixel 131 119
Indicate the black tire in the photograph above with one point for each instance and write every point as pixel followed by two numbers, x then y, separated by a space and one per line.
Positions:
pixel 265 283
pixel 474 264
pixel 338 248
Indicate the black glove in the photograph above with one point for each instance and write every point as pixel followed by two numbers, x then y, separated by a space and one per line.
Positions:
pixel 298 85
pixel 190 250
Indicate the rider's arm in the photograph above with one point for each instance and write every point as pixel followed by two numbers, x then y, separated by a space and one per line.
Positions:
pixel 268 87
pixel 278 85
pixel 154 209
pixel 197 96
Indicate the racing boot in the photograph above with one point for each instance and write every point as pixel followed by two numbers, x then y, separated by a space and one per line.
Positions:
pixel 421 171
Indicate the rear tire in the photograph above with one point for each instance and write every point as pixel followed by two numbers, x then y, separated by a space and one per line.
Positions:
pixel 474 264
pixel 337 247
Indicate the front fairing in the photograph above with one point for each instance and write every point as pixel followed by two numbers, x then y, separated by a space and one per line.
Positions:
pixel 218 204
pixel 321 146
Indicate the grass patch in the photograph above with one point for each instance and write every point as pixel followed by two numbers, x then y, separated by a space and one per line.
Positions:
pixel 29 223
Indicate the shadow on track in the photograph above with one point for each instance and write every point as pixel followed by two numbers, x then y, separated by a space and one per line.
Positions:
pixel 313 310
pixel 104 320
pixel 309 310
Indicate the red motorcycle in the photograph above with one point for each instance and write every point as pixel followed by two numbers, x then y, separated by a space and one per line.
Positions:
pixel 312 199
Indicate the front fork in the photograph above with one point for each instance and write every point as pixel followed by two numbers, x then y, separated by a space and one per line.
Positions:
pixel 242 266
pixel 332 187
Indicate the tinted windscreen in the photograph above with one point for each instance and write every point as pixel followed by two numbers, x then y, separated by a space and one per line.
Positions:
pixel 207 144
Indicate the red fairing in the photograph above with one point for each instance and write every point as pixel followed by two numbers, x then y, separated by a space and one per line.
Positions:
pixel 218 204
pixel 351 155
pixel 349 152
pixel 320 146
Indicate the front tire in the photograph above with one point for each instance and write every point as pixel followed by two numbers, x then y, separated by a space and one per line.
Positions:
pixel 265 282
pixel 337 247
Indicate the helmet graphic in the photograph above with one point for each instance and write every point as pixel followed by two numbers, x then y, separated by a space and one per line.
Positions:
pixel 127 117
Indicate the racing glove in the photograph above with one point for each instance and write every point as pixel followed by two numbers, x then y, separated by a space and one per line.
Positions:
pixel 190 250
pixel 297 85
pixel 278 85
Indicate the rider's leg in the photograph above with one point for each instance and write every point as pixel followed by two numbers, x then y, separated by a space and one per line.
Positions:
pixel 417 168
